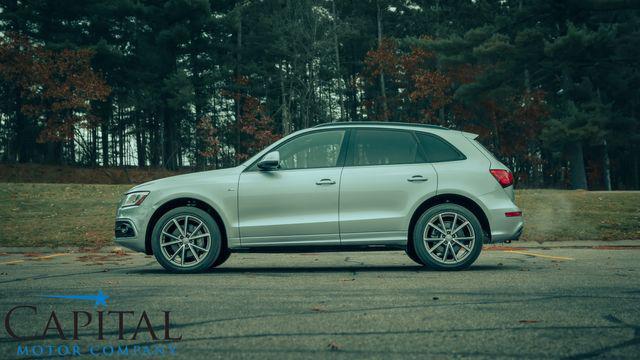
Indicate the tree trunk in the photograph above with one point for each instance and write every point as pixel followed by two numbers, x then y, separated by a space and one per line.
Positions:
pixel 121 137
pixel 141 146
pixel 71 144
pixel 105 121
pixel 170 122
pixel 286 116
pixel 336 49
pixel 54 153
pixel 635 170
pixel 237 99
pixel 606 165
pixel 199 101
pixel 353 96
pixel 94 147
pixel 169 134
pixel 22 140
pixel 154 158
pixel 576 166
pixel 383 91
pixel 14 146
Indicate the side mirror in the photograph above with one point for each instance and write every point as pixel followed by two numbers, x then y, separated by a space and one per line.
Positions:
pixel 269 162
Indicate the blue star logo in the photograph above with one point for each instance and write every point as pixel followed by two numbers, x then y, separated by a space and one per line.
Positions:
pixel 100 298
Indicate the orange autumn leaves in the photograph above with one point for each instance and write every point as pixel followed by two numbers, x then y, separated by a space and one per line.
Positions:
pixel 420 90
pixel 55 87
pixel 415 78
pixel 253 129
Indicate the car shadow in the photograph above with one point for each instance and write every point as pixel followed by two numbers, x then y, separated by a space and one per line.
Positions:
pixel 326 269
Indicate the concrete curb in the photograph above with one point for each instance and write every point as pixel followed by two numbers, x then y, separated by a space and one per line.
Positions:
pixel 516 244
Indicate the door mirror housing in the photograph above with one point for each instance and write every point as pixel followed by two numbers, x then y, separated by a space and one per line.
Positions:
pixel 269 162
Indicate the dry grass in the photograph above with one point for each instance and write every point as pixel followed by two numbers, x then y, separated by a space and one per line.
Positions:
pixel 58 214
pixel 553 215
pixel 58 174
pixel 82 215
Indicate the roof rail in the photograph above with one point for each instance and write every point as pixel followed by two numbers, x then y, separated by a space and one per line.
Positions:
pixel 383 123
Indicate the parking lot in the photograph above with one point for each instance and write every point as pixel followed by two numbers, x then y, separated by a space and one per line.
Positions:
pixel 524 301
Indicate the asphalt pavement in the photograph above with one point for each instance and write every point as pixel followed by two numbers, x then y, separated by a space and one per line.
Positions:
pixel 564 300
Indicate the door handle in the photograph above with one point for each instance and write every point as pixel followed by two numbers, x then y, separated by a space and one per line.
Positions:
pixel 417 178
pixel 325 182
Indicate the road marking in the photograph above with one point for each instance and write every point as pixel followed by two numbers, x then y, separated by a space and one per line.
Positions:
pixel 33 258
pixel 539 255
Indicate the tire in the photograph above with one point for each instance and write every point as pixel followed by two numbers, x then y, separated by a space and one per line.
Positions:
pixel 411 253
pixel 454 236
pixel 224 256
pixel 190 251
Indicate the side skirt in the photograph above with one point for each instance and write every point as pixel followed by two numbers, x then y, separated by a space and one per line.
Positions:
pixel 313 249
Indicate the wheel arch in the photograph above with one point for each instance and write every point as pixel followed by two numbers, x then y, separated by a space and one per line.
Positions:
pixel 461 200
pixel 178 202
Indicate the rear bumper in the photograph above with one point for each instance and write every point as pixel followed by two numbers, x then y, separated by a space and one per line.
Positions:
pixel 503 228
pixel 507 236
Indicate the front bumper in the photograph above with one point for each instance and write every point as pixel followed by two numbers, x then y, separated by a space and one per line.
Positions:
pixel 133 221
pixel 133 241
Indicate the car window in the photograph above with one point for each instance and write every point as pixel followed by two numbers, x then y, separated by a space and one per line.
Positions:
pixel 438 150
pixel 383 147
pixel 484 149
pixel 315 150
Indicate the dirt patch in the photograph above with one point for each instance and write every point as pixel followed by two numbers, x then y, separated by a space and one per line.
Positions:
pixel 99 258
pixel 611 247
pixel 501 248
pixel 34 173
pixel 95 258
pixel 32 254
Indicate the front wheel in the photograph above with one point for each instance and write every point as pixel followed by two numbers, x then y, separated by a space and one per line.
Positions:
pixel 448 237
pixel 411 253
pixel 186 240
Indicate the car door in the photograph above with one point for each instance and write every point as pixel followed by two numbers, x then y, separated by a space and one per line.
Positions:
pixel 297 203
pixel 384 178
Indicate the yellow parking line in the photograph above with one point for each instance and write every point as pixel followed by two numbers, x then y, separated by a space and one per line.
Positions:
pixel 11 262
pixel 51 256
pixel 33 258
pixel 539 255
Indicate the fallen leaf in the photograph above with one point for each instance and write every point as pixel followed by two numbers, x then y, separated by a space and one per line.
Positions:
pixel 334 346
pixel 119 252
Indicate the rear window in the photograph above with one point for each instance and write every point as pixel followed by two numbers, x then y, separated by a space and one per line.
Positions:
pixel 383 147
pixel 438 150
pixel 484 149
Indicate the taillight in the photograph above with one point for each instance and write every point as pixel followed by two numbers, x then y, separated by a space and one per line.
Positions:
pixel 504 177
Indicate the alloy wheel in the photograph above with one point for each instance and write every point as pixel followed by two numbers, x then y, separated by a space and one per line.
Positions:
pixel 185 240
pixel 449 238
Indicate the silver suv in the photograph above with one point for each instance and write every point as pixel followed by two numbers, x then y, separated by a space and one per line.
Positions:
pixel 433 192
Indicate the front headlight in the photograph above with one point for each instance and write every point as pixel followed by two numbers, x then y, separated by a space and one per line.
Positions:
pixel 134 198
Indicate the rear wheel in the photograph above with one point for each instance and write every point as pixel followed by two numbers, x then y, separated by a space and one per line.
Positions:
pixel 448 237
pixel 186 240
